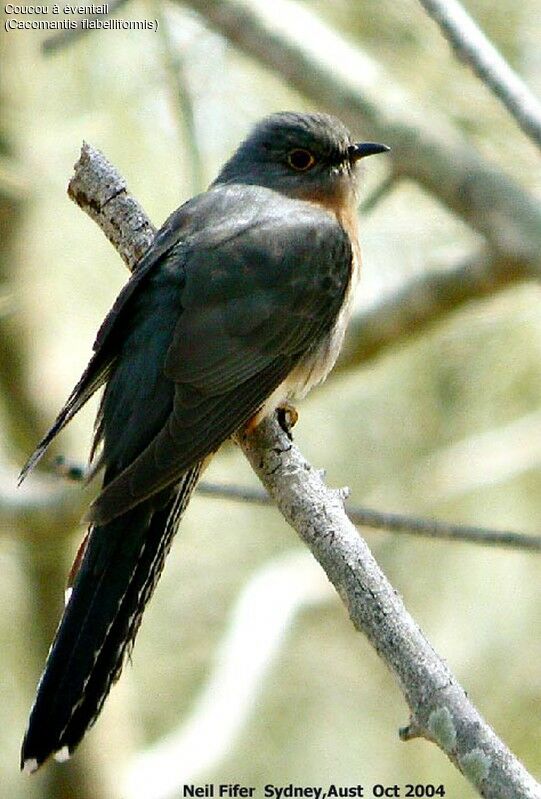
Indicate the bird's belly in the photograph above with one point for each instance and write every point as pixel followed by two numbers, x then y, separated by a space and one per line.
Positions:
pixel 315 367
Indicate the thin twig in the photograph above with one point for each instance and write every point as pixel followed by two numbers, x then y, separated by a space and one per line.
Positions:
pixel 472 46
pixel 394 522
pixel 364 517
pixel 440 710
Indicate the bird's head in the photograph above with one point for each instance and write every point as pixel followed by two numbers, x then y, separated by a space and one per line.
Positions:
pixel 307 156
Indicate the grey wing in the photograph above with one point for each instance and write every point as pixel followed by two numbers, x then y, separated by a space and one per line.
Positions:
pixel 251 308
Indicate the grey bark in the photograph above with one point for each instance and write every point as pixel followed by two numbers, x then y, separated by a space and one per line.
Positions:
pixel 472 46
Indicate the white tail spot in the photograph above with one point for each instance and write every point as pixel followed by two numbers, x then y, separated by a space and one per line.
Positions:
pixel 67 594
pixel 29 766
pixel 62 755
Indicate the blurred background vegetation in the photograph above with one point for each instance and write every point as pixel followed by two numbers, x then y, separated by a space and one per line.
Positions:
pixel 444 424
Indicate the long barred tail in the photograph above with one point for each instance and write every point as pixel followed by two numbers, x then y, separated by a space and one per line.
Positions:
pixel 119 569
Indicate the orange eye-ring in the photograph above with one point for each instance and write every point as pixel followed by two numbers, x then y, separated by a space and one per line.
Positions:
pixel 300 159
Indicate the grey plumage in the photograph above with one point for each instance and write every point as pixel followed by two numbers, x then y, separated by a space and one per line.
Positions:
pixel 241 302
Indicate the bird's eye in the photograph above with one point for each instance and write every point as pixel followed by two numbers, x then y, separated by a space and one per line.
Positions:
pixel 301 160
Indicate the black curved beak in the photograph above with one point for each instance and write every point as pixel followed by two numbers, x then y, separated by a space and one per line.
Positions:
pixel 364 148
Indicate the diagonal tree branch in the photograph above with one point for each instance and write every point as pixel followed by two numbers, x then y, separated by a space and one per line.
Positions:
pixel 440 710
pixel 471 45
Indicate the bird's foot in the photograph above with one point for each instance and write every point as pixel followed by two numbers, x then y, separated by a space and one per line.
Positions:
pixel 287 416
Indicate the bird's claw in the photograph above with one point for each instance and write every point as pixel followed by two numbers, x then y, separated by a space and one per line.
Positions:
pixel 287 416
